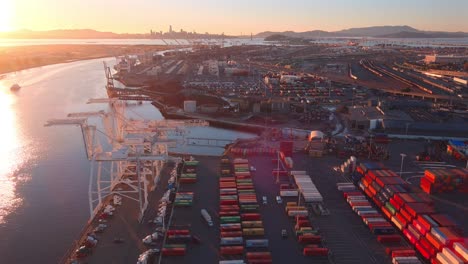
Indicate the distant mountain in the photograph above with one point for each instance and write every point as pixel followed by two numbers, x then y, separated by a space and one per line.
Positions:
pixel 60 34
pixel 94 34
pixel 378 31
pixel 375 31
pixel 406 34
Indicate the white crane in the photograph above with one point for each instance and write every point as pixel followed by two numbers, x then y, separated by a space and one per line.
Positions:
pixel 133 159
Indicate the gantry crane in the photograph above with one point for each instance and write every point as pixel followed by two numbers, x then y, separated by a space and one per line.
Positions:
pixel 130 163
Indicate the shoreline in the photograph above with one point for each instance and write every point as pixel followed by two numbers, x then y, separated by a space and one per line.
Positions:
pixel 19 58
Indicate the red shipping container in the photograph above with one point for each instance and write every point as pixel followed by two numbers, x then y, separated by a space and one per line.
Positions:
pixel 410 236
pixel 258 255
pixel 428 246
pixel 368 193
pixel 303 223
pixel 434 241
pixel 250 217
pixel 421 229
pixel 388 238
pixel 414 231
pixel 346 194
pixel 372 190
pixel 227 179
pixel 377 202
pixel 402 220
pixel 315 251
pixel 173 251
pixel 427 221
pixel 259 261
pixel 231 233
pixel 424 252
pixel 403 253
pixel 229 202
pixel 406 215
pixel 395 204
pixel 177 232
pixel 229 208
pixel 398 199
pixel 301 217
pixel 389 250
pixel 232 250
pixel 377 225
pixel 309 239
pixel 229 213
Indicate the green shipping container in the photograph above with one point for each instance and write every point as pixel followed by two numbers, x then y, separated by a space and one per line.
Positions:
pixel 390 208
pixel 230 219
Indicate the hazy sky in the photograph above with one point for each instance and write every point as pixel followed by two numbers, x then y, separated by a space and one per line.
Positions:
pixel 231 17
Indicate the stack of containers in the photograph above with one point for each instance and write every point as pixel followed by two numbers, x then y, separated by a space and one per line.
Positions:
pixel 308 237
pixel 183 199
pixel 288 190
pixel 370 216
pixel 444 180
pixel 251 222
pixel 176 242
pixel 231 232
pixel 307 188
pixel 377 224
pixel 413 214
pixel 189 172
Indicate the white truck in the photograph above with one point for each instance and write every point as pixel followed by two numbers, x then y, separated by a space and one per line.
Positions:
pixel 207 217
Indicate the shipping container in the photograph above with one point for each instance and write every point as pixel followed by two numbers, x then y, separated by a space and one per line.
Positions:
pixel 229 241
pixel 256 243
pixel 253 231
pixel 173 252
pixel 388 238
pixel 231 233
pixel 232 250
pixel 258 255
pixel 315 251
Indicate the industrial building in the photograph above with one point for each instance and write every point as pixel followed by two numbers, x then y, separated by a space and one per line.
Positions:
pixel 445 59
pixel 373 118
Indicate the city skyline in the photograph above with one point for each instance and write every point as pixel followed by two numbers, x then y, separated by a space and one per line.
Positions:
pixel 231 18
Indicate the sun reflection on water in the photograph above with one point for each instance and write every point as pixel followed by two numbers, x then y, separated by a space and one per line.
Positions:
pixel 12 156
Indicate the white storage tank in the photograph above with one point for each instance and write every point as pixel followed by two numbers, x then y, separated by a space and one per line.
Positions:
pixel 190 106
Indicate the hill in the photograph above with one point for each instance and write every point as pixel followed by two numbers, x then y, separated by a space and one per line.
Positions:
pixel 378 31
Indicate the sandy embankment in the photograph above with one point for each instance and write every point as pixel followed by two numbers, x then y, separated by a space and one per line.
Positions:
pixel 25 57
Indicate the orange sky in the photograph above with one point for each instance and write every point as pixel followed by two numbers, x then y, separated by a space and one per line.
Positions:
pixel 231 17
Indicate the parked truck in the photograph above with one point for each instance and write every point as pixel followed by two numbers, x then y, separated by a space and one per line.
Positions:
pixel 207 217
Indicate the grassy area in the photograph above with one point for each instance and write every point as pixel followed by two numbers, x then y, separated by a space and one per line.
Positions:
pixel 24 57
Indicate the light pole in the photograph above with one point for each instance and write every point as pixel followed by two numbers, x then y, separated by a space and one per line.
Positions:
pixel 354 89
pixel 403 155
pixel 277 168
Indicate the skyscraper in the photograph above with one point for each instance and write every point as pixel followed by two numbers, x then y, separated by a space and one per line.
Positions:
pixel 170 28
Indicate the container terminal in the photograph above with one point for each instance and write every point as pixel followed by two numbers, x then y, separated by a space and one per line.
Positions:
pixel 324 186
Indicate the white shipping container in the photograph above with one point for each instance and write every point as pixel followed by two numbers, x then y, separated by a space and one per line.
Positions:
pixel 442 258
pixel 289 193
pixel 406 260
pixel 461 250
pixel 451 256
